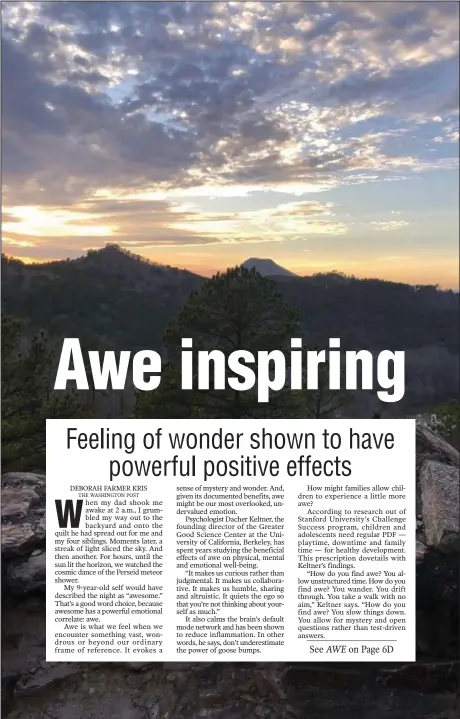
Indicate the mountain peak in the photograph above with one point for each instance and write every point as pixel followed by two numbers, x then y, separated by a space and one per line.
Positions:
pixel 113 256
pixel 267 267
pixel 110 250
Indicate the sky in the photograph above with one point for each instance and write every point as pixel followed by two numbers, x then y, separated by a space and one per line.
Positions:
pixel 323 135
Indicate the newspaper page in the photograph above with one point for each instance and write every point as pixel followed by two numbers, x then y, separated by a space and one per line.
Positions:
pixel 286 540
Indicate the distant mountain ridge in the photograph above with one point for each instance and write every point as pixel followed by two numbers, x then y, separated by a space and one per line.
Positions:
pixel 122 301
pixel 267 267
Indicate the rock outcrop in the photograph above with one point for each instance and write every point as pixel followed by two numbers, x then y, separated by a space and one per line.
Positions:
pixel 430 444
pixel 438 546
pixel 35 689
pixel 437 496
pixel 23 514
pixel 440 503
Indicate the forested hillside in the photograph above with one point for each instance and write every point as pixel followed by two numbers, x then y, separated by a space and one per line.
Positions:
pixel 129 301
pixel 112 295
pixel 113 299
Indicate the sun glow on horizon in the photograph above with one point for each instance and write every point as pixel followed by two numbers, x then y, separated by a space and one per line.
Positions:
pixel 41 222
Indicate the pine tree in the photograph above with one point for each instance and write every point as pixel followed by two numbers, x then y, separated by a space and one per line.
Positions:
pixel 28 398
pixel 323 403
pixel 447 421
pixel 235 310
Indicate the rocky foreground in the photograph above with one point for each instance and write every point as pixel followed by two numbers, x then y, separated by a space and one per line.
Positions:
pixel 35 689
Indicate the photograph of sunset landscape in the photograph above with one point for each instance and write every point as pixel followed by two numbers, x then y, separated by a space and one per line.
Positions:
pixel 224 182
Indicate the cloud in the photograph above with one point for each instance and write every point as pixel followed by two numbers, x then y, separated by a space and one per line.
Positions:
pixel 450 134
pixel 173 100
pixel 389 226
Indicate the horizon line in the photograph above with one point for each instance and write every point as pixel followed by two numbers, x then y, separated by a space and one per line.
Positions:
pixel 31 262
